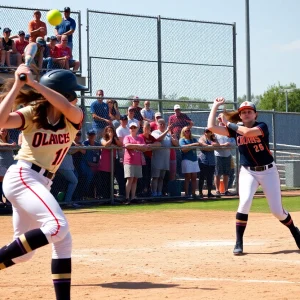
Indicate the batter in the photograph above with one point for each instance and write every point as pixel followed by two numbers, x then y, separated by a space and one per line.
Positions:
pixel 49 122
pixel 257 166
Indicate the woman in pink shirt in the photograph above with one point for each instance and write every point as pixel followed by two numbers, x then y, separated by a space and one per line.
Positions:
pixel 109 139
pixel 133 160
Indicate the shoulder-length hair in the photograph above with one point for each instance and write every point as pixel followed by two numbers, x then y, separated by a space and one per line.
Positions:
pixel 29 96
pixel 182 136
pixel 7 138
pixel 105 132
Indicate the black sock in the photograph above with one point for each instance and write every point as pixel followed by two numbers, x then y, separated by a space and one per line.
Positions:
pixel 241 223
pixel 288 222
pixel 25 243
pixel 6 264
pixel 61 275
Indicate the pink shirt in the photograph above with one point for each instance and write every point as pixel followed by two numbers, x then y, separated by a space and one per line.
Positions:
pixel 104 164
pixel 133 157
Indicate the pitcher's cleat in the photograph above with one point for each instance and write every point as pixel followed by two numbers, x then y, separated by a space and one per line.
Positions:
pixel 238 248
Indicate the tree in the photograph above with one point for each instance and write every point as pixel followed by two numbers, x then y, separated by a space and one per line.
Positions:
pixel 276 95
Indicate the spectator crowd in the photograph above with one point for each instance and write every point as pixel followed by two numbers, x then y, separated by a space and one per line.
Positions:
pixel 54 52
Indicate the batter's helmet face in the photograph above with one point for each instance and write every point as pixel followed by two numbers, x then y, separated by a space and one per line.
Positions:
pixel 62 81
pixel 247 105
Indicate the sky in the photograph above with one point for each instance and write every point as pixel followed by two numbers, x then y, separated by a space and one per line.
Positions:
pixel 274 30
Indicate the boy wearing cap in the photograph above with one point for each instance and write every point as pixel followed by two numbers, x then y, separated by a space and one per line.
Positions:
pixel 36 27
pixel 67 27
pixel 58 62
pixel 21 43
pixel 8 49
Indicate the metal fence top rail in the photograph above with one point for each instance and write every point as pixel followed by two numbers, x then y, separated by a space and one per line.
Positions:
pixel 32 8
pixel 160 17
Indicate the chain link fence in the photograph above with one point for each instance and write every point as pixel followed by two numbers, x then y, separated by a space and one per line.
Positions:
pixel 17 18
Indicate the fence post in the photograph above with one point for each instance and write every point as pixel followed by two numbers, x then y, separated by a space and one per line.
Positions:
pixel 273 135
pixel 79 30
pixel 112 176
pixel 159 66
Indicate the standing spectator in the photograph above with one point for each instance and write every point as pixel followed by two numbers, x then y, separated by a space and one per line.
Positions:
pixel 121 132
pixel 21 43
pixel 133 161
pixel 66 52
pixel 223 160
pixel 131 118
pixel 113 111
pixel 100 114
pixel 151 141
pixel 8 50
pixel 66 169
pixel 147 113
pixel 179 120
pixel 189 163
pixel 91 160
pixel 206 160
pixel 161 157
pixel 36 27
pixel 6 156
pixel 109 139
pixel 137 112
pixel 66 27
pixel 154 125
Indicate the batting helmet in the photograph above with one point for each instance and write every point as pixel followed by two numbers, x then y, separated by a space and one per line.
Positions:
pixel 62 81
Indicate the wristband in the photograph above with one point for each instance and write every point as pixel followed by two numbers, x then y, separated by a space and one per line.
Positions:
pixel 233 126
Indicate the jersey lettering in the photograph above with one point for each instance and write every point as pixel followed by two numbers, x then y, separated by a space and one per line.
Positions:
pixel 243 140
pixel 43 139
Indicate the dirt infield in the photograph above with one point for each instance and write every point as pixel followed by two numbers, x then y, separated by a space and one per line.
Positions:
pixel 164 255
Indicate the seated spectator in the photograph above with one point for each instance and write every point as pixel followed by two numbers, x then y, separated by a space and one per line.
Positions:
pixel 113 111
pixel 8 50
pixel 6 156
pixel 66 52
pixel 27 37
pixel 133 161
pixel 189 162
pixel 161 157
pixel 121 132
pixel 66 169
pixel 131 118
pixel 109 139
pixel 146 168
pixel 206 160
pixel 91 159
pixel 42 57
pixel 58 62
pixel 154 125
pixel 36 27
pixel 147 113
pixel 21 43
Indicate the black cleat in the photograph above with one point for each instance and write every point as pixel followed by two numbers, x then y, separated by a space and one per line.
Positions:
pixel 238 248
pixel 297 237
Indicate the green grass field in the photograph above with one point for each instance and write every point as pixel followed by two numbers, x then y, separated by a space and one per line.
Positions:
pixel 258 205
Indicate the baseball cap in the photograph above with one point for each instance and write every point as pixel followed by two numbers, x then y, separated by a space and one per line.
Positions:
pixel 176 106
pixel 67 8
pixel 123 117
pixel 6 29
pixel 53 38
pixel 130 108
pixel 27 36
pixel 133 124
pixel 247 105
pixel 91 132
pixel 40 41
pixel 157 114
pixel 135 98
pixel 21 32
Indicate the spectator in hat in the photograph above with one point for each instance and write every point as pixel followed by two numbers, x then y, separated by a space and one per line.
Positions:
pixel 121 132
pixel 58 62
pixel 66 27
pixel 21 43
pixel 100 114
pixel 27 37
pixel 66 53
pixel 179 120
pixel 8 50
pixel 154 124
pixel 147 113
pixel 36 27
pixel 131 118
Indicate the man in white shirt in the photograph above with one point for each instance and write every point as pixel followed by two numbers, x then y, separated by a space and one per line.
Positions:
pixel 147 113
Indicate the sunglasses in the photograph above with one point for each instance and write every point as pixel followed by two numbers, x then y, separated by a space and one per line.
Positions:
pixel 187 130
pixel 133 127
